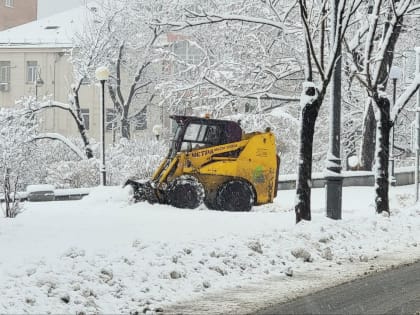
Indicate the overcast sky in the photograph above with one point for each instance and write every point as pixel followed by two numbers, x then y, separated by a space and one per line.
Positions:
pixel 48 7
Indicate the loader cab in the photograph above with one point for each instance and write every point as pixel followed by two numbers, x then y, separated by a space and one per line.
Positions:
pixel 197 132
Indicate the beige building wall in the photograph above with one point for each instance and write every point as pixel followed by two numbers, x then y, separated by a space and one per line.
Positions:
pixel 56 73
pixel 45 43
pixel 16 12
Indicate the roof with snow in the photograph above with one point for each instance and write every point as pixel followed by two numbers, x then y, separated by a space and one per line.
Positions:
pixel 53 31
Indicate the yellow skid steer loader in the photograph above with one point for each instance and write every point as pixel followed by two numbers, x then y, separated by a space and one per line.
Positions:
pixel 215 162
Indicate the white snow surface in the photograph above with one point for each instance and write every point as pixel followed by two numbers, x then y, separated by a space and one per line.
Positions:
pixel 104 255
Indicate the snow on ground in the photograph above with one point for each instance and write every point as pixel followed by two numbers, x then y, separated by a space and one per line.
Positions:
pixel 102 254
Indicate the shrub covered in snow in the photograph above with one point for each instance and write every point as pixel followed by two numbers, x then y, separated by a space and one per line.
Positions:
pixel 16 130
pixel 135 158
pixel 71 174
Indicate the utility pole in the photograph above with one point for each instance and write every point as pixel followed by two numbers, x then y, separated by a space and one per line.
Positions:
pixel 333 179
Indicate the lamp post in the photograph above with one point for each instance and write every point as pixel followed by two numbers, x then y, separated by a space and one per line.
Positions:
pixel 102 75
pixel 333 178
pixel 416 173
pixel 394 74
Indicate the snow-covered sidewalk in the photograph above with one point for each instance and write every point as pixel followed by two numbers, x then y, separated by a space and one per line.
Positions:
pixel 104 255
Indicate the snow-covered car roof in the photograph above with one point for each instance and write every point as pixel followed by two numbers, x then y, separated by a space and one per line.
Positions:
pixel 39 187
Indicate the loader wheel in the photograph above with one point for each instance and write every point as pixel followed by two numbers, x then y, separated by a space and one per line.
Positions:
pixel 185 192
pixel 211 204
pixel 235 195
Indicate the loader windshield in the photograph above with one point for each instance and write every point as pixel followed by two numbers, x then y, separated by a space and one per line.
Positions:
pixel 194 133
pixel 200 136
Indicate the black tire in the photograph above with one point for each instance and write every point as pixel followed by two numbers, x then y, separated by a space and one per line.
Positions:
pixel 211 204
pixel 235 195
pixel 185 192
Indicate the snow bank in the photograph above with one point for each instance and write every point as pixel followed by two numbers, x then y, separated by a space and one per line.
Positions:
pixel 107 194
pixel 103 255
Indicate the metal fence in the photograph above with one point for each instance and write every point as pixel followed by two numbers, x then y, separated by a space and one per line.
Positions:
pixel 403 176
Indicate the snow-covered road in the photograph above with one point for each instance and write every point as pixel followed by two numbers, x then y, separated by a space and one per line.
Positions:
pixel 104 255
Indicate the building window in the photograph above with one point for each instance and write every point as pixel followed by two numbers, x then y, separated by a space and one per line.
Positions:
pixel 86 118
pixel 189 56
pixel 8 3
pixel 249 108
pixel 140 119
pixel 31 71
pixel 4 71
pixel 189 53
pixel 111 119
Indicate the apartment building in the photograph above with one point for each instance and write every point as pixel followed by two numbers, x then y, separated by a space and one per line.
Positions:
pixel 17 12
pixel 34 61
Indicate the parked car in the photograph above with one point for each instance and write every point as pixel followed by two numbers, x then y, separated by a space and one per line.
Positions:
pixel 42 192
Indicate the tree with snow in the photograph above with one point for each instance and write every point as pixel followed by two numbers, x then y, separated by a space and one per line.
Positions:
pixel 372 62
pixel 316 84
pixel 245 57
pixel 387 33
pixel 16 134
pixel 73 108
pixel 83 57
pixel 263 27
pixel 120 37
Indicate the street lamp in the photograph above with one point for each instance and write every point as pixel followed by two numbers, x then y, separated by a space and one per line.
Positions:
pixel 157 131
pixel 333 178
pixel 394 74
pixel 102 75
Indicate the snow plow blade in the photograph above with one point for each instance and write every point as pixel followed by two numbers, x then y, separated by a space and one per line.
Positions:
pixel 142 191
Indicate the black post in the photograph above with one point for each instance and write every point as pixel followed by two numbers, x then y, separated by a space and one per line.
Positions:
pixel 416 174
pixel 103 171
pixel 333 179
pixel 391 151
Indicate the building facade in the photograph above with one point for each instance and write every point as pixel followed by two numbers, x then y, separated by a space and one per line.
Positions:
pixel 45 73
pixel 35 62
pixel 17 12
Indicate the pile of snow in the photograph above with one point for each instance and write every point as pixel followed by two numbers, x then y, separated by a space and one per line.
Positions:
pixel 104 255
pixel 107 194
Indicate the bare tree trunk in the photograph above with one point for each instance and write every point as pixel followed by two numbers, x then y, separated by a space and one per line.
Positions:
pixel 10 200
pixel 125 124
pixel 6 191
pixel 303 184
pixel 382 155
pixel 81 126
pixel 367 150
